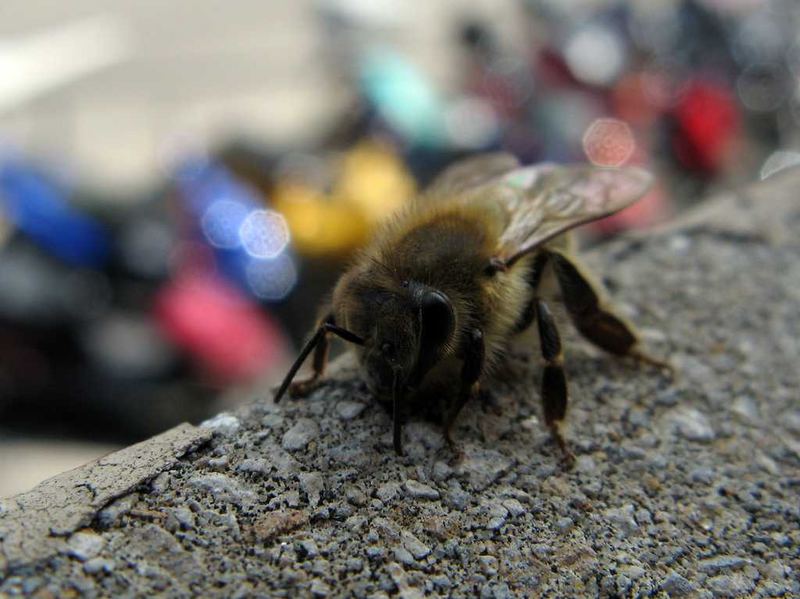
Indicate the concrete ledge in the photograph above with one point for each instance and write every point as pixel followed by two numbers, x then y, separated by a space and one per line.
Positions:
pixel 681 488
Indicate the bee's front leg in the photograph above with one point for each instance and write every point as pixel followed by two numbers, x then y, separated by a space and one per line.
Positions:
pixel 474 352
pixel 320 345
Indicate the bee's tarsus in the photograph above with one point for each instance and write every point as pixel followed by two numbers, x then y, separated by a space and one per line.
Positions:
pixel 664 365
pixel 554 379
pixel 474 355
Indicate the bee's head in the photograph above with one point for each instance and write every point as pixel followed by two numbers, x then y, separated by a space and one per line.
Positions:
pixel 407 330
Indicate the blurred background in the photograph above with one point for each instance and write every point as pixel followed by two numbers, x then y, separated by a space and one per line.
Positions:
pixel 181 182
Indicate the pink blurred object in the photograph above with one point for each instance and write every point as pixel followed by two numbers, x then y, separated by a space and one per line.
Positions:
pixel 654 207
pixel 228 335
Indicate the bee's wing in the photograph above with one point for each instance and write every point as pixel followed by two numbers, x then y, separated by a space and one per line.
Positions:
pixel 545 200
pixel 466 175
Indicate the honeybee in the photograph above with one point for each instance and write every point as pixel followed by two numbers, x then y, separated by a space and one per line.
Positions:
pixel 449 281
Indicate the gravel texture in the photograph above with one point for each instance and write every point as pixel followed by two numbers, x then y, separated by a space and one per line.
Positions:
pixel 681 488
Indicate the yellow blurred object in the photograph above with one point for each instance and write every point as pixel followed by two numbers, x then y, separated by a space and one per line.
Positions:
pixel 375 179
pixel 372 184
pixel 319 226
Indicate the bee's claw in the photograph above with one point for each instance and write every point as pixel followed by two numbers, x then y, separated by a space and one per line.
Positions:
pixel 300 389
pixel 663 365
pixel 567 459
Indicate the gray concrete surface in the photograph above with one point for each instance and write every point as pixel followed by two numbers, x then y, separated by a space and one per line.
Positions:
pixel 685 488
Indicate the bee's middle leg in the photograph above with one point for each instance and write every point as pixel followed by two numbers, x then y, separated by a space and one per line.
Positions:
pixel 474 352
pixel 554 379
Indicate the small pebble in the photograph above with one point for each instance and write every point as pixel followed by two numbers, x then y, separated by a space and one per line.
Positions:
pixel 180 518
pixel 441 582
pixel 692 424
pixel 403 555
pixel 224 424
pixel 85 545
pixel 354 564
pixel 98 564
pixel 419 490
pixel 715 565
pixel 497 516
pixel 348 410
pixel 312 484
pixel 564 524
pixel 633 572
pixel 746 408
pixel 488 564
pixel 416 547
pixel 514 507
pixel 676 585
pixel 457 498
pixel 307 548
pixel 220 463
pixel 702 475
pixel 254 466
pixel 387 491
pixel 356 496
pixel 320 589
pixel 441 471
pixel 375 552
pixel 622 519
pixel 111 514
pixel 301 433
pixel 733 585
pixel 222 487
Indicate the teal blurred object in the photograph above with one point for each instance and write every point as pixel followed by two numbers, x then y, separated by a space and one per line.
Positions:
pixel 403 98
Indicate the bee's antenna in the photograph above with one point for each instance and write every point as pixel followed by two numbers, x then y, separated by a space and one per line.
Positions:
pixel 396 421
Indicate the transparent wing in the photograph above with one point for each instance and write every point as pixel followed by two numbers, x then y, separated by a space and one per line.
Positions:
pixel 470 173
pixel 545 200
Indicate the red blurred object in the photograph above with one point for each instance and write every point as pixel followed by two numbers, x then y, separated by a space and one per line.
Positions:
pixel 228 335
pixel 708 126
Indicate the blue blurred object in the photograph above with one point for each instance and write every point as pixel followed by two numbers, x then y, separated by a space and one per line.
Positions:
pixel 250 242
pixel 37 207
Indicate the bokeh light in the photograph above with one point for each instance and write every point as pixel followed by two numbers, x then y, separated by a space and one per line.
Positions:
pixel 222 221
pixel 264 233
pixel 778 161
pixel 471 123
pixel 595 55
pixel 272 280
pixel 608 142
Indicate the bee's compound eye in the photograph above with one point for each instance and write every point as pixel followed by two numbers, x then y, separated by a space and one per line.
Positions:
pixel 404 283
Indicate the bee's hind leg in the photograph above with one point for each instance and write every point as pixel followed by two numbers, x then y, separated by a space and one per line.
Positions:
pixel 594 321
pixel 554 379
pixel 474 353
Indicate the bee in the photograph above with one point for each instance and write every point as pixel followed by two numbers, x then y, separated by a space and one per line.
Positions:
pixel 451 279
